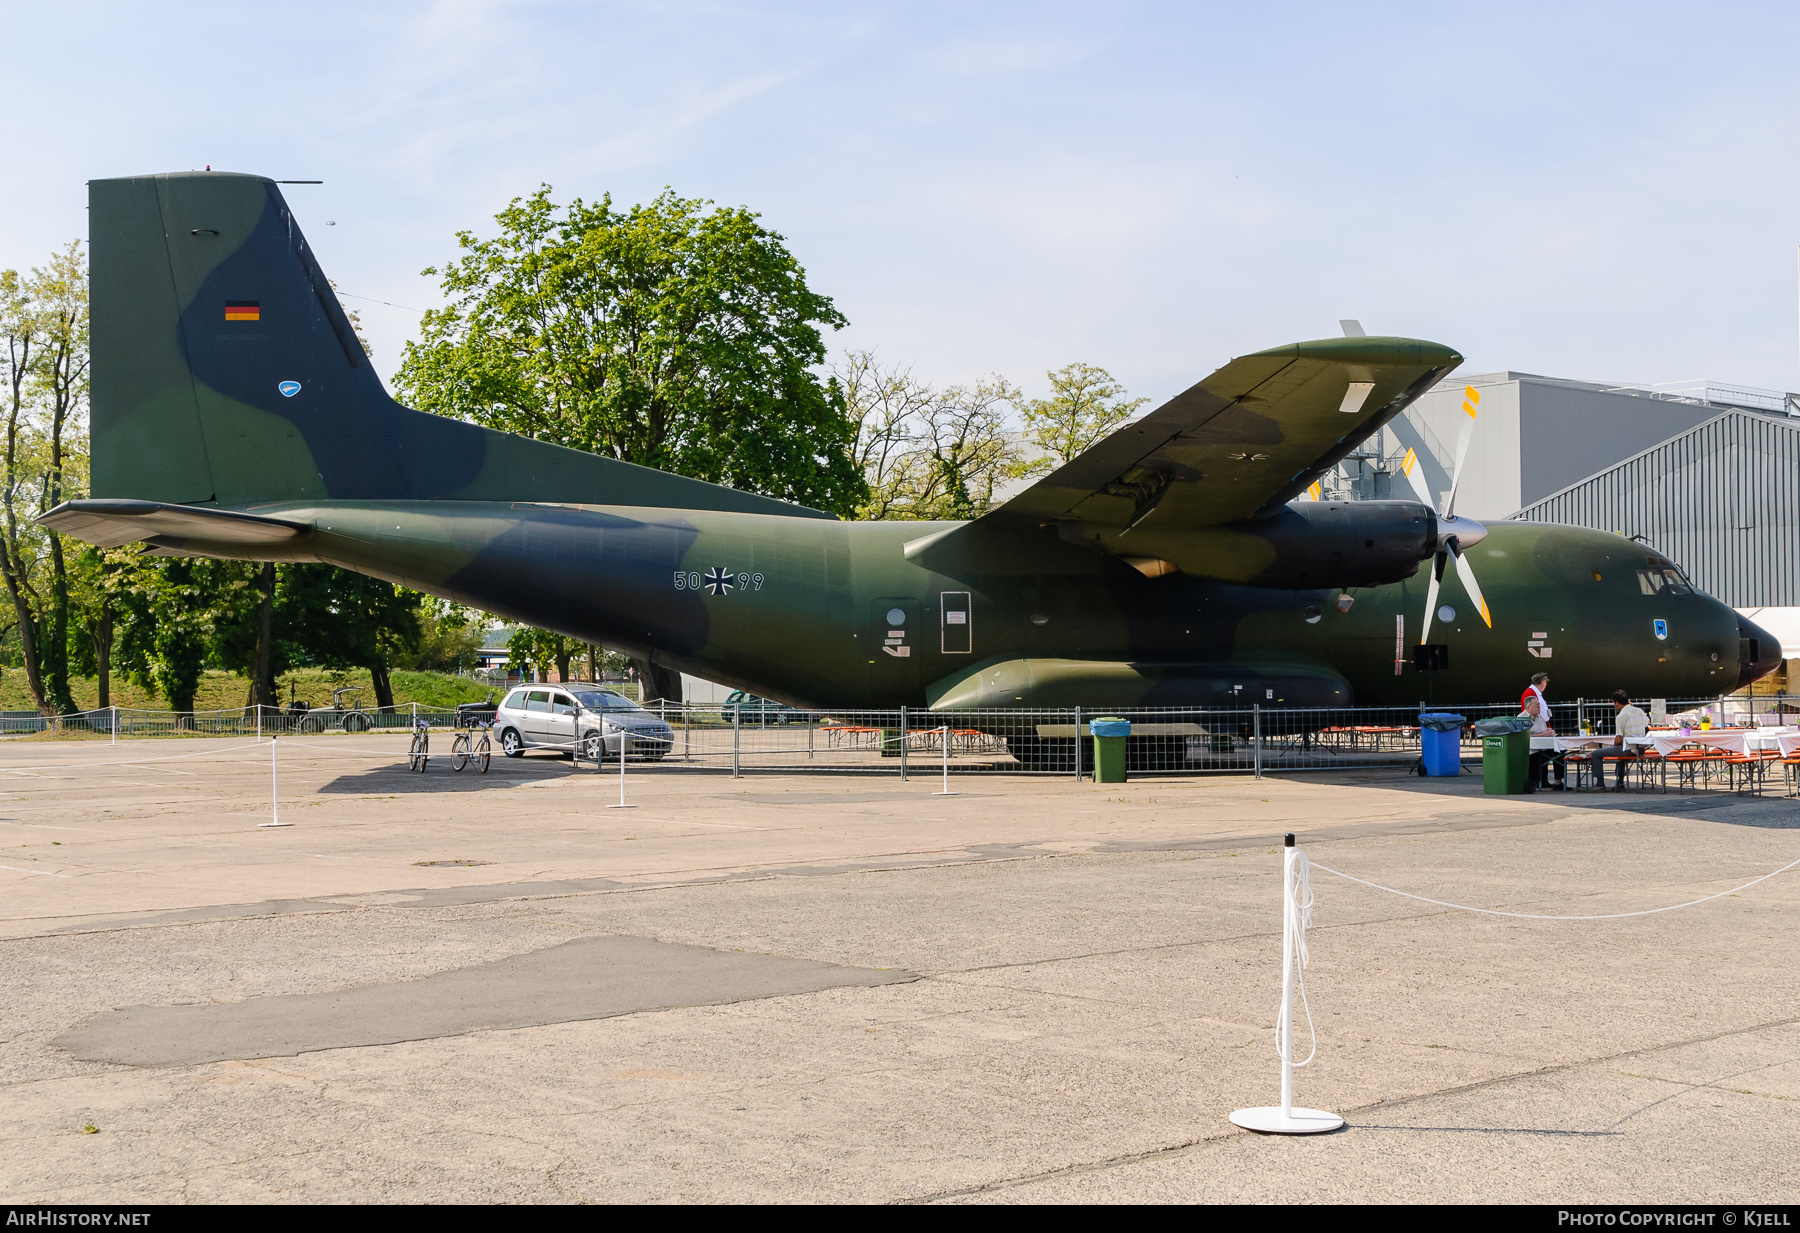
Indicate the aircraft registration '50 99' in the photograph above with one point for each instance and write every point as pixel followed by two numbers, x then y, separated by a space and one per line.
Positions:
pixel 1176 562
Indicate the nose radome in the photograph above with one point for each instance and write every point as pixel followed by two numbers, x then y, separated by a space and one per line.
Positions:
pixel 1759 651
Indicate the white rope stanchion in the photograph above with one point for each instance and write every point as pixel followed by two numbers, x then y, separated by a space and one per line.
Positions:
pixel 274 785
pixel 624 741
pixel 944 735
pixel 1296 918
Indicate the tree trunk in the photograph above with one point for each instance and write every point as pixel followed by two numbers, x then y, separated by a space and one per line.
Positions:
pixel 103 638
pixel 27 643
pixel 564 653
pixel 656 681
pixel 593 658
pixel 262 677
pixel 55 651
pixel 384 687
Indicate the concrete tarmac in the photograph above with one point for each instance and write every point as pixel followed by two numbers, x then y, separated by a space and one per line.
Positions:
pixel 841 987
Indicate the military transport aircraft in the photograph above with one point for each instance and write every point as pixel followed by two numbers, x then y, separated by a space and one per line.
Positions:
pixel 1176 562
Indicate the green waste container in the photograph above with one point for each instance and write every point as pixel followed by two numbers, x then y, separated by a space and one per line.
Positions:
pixel 1505 763
pixel 1109 748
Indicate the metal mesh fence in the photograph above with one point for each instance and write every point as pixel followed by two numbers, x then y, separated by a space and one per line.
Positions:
pixel 906 741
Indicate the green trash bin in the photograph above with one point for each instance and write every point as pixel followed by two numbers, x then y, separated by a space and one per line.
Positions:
pixel 1505 763
pixel 1109 748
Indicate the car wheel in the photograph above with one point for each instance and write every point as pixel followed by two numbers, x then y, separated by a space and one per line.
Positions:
pixel 356 723
pixel 510 744
pixel 592 749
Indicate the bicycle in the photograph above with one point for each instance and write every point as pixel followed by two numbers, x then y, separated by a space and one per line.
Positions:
pixel 467 748
pixel 420 753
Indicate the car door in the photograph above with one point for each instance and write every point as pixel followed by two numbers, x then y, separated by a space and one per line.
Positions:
pixel 537 717
pixel 559 721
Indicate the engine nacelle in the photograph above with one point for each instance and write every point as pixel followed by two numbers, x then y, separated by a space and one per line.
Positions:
pixel 1305 546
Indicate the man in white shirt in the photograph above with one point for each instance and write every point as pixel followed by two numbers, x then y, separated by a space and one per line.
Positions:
pixel 1628 720
pixel 1543 761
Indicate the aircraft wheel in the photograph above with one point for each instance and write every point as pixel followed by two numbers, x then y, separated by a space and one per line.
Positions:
pixel 511 745
pixel 356 723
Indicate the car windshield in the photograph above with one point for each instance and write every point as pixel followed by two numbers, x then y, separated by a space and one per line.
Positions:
pixel 605 700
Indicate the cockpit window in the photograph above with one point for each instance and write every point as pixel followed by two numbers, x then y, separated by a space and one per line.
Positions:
pixel 1662 582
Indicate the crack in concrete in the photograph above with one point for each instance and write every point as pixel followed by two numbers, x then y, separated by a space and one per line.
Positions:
pixel 1174 1149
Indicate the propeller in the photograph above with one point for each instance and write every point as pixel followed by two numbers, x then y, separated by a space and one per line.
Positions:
pixel 1455 535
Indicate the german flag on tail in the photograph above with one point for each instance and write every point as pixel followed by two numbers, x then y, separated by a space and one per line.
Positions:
pixel 243 310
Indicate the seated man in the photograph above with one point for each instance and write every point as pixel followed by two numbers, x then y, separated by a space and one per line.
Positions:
pixel 1628 721
pixel 1543 760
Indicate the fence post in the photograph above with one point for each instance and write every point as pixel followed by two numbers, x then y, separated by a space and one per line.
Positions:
pixel 902 744
pixel 812 732
pixel 1077 744
pixel 115 723
pixel 1256 730
pixel 1580 715
pixel 737 719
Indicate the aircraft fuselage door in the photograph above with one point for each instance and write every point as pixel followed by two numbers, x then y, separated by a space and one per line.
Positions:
pixel 956 623
pixel 894 643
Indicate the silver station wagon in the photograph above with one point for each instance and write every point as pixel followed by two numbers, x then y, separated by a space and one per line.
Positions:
pixel 577 718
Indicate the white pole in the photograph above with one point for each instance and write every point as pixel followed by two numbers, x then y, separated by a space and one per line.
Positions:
pixel 1285 1119
pixel 275 784
pixel 115 725
pixel 624 741
pixel 1287 979
pixel 944 736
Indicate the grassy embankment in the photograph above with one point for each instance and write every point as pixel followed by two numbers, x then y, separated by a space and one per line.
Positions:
pixel 224 691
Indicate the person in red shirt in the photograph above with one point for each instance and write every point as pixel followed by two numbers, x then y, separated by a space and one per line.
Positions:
pixel 1540 685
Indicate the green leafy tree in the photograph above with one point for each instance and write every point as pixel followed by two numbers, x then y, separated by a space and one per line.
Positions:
pixel 672 335
pixel 539 650
pixel 333 618
pixel 450 637
pixel 927 452
pixel 44 367
pixel 675 335
pixel 1084 405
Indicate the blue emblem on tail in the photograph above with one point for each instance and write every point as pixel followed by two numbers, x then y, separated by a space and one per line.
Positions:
pixel 289 388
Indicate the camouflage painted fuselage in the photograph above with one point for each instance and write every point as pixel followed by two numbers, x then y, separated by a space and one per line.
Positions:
pixel 799 609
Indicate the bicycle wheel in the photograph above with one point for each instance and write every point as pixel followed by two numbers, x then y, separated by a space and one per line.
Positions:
pixel 459 751
pixel 420 752
pixel 481 754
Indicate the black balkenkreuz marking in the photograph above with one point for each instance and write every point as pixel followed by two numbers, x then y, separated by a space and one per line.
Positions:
pixel 719 581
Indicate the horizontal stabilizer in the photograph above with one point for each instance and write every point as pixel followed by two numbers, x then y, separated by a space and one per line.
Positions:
pixel 110 524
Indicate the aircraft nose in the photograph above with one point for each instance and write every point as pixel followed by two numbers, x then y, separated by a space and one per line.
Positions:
pixel 1759 651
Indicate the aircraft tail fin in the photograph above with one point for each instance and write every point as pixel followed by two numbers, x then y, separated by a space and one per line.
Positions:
pixel 226 373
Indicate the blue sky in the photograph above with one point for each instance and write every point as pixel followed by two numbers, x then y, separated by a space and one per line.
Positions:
pixel 1605 192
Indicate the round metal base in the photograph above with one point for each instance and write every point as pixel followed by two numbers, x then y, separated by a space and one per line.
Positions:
pixel 1269 1120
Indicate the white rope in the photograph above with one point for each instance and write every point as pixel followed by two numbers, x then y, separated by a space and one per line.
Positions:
pixel 198 753
pixel 1300 904
pixel 1463 907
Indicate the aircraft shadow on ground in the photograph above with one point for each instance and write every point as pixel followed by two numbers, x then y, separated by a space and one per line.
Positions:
pixel 397 777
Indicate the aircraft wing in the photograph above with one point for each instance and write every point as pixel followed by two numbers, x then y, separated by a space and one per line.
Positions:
pixel 1241 443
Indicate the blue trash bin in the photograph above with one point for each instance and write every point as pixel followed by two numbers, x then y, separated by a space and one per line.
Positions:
pixel 1440 736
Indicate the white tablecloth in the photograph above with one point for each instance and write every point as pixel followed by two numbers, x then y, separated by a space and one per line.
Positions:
pixel 1731 740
